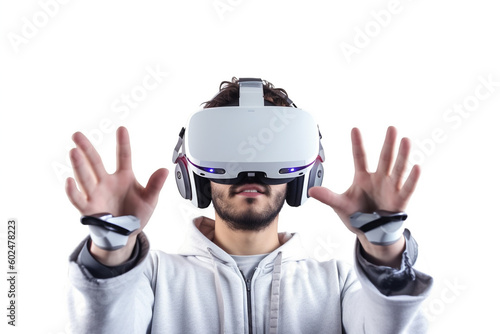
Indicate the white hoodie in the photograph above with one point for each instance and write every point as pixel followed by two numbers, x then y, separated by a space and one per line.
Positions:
pixel 201 290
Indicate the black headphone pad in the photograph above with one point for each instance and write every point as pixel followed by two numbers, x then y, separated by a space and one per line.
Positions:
pixel 294 191
pixel 203 191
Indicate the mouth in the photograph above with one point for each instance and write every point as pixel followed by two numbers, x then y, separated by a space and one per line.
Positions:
pixel 250 190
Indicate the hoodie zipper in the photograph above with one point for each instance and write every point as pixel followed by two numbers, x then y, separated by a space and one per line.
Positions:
pixel 248 284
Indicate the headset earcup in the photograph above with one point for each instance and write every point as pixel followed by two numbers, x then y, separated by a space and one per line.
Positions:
pixel 315 176
pixel 298 190
pixel 182 179
pixel 201 185
pixel 294 191
pixel 203 191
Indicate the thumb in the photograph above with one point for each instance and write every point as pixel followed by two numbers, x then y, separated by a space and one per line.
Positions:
pixel 155 184
pixel 328 197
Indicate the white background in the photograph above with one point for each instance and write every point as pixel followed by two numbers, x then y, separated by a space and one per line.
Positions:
pixel 66 66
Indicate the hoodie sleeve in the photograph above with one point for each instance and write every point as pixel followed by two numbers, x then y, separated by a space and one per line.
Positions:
pixel 120 304
pixel 390 281
pixel 389 299
pixel 99 270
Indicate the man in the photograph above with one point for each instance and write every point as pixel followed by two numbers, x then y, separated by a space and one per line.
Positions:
pixel 237 274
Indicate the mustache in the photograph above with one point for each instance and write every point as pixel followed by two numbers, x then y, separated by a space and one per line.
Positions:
pixel 249 180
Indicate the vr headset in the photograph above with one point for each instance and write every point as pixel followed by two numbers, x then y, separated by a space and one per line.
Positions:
pixel 255 139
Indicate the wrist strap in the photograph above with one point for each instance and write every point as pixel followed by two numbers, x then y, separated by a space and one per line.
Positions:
pixel 380 227
pixel 108 232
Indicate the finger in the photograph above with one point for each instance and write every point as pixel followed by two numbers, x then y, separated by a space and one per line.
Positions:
pixel 75 196
pixel 401 162
pixel 155 184
pixel 90 154
pixel 83 173
pixel 328 197
pixel 358 151
pixel 123 150
pixel 387 153
pixel 411 183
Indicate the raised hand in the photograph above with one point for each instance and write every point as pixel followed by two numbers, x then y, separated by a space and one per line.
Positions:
pixel 118 193
pixel 385 189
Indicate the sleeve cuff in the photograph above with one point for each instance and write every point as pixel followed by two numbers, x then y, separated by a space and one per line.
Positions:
pixel 99 270
pixel 390 281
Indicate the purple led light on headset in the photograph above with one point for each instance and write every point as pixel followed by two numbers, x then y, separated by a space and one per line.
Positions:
pixel 293 169
pixel 210 170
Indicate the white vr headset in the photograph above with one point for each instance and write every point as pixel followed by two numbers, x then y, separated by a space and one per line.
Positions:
pixel 255 139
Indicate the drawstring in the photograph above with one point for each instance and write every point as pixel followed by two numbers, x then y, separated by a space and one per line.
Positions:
pixel 218 291
pixel 275 295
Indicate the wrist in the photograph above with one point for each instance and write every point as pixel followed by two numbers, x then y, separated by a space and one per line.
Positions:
pixel 112 258
pixel 383 255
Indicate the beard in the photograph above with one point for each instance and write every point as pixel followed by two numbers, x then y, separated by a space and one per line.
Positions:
pixel 252 218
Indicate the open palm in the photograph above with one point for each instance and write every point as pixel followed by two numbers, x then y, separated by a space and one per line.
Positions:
pixel 118 193
pixel 385 189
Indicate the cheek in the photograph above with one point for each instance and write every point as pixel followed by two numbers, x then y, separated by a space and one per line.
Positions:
pixel 281 188
pixel 279 191
pixel 219 190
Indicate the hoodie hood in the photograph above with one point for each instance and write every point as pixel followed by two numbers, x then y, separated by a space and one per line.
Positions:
pixel 199 243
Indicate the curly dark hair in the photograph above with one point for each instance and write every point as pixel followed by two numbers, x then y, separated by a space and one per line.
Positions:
pixel 229 94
